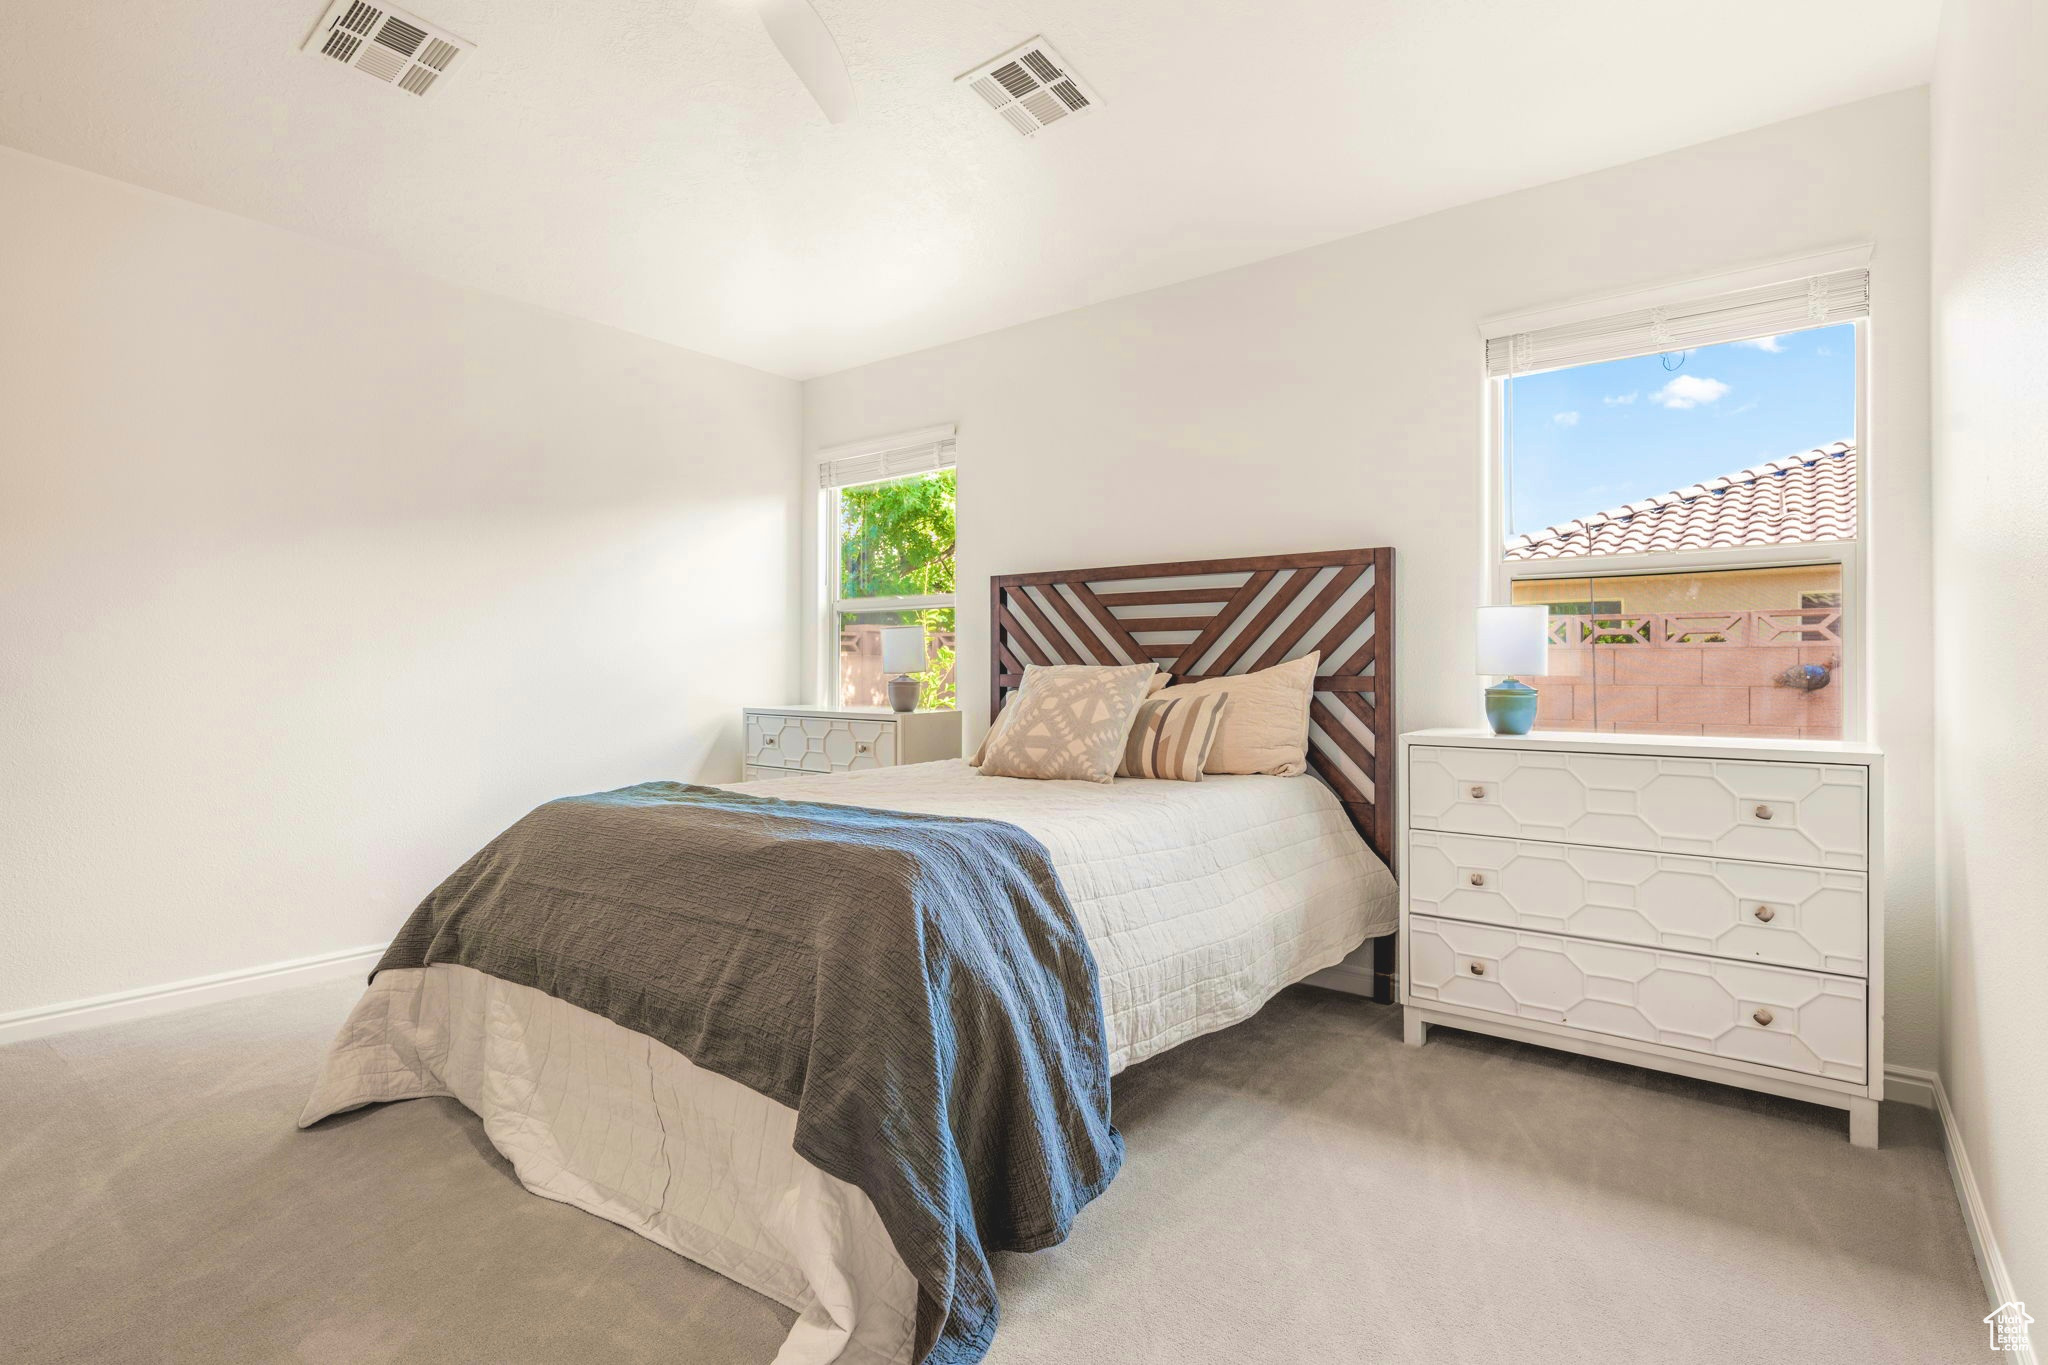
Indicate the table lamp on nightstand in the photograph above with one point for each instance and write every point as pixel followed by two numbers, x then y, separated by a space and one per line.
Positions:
pixel 1513 640
pixel 903 654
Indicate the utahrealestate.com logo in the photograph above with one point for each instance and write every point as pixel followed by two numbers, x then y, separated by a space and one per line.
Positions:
pixel 2008 1326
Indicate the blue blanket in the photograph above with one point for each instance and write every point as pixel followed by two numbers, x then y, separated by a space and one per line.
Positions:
pixel 916 987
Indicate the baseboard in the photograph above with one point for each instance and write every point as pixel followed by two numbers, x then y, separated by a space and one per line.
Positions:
pixel 1998 1287
pixel 44 1020
pixel 1910 1085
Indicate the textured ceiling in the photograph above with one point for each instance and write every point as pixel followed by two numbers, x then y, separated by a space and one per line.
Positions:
pixel 653 164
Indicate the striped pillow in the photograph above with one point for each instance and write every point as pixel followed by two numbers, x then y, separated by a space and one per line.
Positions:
pixel 1171 738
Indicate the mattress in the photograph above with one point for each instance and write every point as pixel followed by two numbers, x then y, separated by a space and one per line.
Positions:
pixel 1200 900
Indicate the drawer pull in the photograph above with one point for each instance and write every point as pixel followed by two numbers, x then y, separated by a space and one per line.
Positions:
pixel 1479 969
pixel 1478 879
pixel 1763 812
pixel 1763 1017
pixel 1766 914
pixel 1478 793
pixel 768 743
pixel 860 748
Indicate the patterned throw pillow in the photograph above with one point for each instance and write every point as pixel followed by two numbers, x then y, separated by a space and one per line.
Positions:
pixel 1067 722
pixel 1159 680
pixel 1171 739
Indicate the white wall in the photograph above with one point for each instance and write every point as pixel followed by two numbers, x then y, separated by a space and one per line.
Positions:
pixel 315 573
pixel 1333 398
pixel 1991 557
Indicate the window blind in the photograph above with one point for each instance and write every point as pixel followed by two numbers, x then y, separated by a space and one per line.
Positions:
pixel 1813 301
pixel 918 452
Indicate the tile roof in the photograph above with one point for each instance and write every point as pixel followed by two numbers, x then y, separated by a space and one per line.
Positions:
pixel 1804 497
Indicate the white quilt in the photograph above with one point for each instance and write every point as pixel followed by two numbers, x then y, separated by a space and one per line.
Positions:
pixel 1199 899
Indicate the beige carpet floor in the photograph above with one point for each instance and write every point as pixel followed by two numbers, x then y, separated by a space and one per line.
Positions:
pixel 1299 1189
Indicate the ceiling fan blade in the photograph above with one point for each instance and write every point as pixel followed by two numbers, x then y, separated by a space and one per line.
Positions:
pixel 806 44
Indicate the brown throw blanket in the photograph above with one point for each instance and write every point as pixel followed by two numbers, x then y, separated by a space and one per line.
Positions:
pixel 916 987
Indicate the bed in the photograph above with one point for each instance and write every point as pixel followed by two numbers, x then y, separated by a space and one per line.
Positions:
pixel 1199 901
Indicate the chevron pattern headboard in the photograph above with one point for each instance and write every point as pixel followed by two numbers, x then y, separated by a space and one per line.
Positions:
pixel 1207 618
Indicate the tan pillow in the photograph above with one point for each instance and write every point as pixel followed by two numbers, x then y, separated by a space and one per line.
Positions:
pixel 1171 737
pixel 1265 729
pixel 1159 680
pixel 1067 722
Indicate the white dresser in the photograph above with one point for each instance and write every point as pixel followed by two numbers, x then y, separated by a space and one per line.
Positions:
pixel 1711 907
pixel 783 741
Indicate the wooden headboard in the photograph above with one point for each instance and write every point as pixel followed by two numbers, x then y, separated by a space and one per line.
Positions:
pixel 1208 618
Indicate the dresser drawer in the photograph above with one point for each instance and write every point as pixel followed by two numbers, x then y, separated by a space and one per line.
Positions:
pixel 1808 813
pixel 1770 1016
pixel 1808 917
pixel 755 773
pixel 819 744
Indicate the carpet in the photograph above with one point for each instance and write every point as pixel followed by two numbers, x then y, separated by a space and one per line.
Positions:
pixel 1299 1189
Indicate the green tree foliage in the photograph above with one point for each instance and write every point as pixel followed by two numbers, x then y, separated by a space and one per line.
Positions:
pixel 897 540
pixel 935 692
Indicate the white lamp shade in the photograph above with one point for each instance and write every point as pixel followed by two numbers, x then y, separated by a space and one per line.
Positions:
pixel 903 649
pixel 1514 640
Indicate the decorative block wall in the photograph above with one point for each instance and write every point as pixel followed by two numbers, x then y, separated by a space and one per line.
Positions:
pixel 1680 673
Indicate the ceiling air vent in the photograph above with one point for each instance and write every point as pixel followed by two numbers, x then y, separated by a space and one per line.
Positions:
pixel 1030 87
pixel 397 48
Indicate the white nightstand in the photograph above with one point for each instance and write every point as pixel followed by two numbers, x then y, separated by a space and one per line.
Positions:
pixel 783 741
pixel 1710 907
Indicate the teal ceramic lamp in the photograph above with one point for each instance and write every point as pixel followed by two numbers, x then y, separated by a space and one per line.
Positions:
pixel 1513 640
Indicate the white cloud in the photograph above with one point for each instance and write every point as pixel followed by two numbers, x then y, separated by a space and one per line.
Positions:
pixel 1566 419
pixel 1689 391
pixel 1771 344
pixel 1618 400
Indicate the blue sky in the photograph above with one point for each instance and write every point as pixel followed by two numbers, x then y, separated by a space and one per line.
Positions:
pixel 1586 439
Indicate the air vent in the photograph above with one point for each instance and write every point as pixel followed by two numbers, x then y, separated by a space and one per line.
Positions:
pixel 397 48
pixel 1030 87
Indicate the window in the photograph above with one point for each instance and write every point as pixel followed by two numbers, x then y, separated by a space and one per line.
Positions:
pixel 888 512
pixel 1824 610
pixel 1680 486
